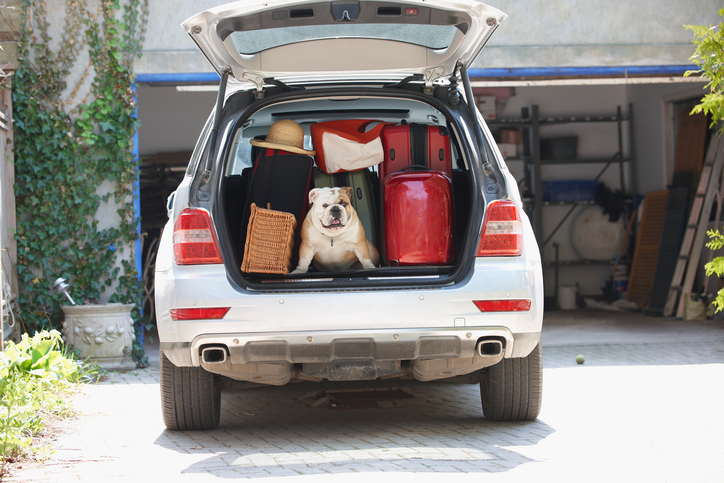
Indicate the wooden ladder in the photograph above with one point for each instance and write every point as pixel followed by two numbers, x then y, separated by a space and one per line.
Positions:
pixel 708 190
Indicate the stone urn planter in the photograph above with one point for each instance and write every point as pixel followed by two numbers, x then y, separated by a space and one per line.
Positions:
pixel 102 333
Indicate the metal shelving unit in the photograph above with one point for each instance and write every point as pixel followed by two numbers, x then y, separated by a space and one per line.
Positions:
pixel 531 122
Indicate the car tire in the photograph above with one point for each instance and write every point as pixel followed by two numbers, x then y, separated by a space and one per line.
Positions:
pixel 512 389
pixel 190 397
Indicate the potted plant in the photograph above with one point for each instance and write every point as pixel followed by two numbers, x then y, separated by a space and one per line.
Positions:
pixel 101 333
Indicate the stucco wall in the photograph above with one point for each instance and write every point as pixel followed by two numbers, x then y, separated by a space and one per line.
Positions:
pixel 559 33
pixel 563 33
pixel 585 33
pixel 10 11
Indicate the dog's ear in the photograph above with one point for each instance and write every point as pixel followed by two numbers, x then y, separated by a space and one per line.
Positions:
pixel 313 195
pixel 349 192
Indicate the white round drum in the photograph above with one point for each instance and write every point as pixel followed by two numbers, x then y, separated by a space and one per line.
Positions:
pixel 594 237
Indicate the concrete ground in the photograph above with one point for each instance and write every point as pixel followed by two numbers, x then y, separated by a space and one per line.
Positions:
pixel 645 406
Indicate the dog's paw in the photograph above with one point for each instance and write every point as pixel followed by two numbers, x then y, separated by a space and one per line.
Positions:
pixel 299 270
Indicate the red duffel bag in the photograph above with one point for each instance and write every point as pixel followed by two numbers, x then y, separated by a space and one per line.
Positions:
pixel 347 145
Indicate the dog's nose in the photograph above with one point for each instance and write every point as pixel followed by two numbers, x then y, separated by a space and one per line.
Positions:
pixel 335 210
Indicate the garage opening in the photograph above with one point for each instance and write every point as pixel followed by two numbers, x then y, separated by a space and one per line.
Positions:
pixel 172 117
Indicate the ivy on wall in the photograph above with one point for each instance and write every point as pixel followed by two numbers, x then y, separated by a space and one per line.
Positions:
pixel 63 155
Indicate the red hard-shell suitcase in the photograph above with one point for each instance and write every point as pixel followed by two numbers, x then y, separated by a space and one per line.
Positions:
pixel 418 223
pixel 415 144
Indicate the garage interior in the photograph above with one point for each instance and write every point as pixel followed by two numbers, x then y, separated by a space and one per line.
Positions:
pixel 608 172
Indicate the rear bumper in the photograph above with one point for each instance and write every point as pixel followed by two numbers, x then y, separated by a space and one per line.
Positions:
pixel 324 347
pixel 387 345
pixel 433 332
pixel 425 355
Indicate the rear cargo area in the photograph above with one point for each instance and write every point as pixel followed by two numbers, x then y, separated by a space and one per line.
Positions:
pixel 408 185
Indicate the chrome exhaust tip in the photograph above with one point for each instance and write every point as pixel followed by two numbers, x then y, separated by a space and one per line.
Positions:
pixel 213 355
pixel 489 348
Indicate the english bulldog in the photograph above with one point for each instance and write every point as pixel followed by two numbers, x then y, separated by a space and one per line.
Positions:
pixel 333 235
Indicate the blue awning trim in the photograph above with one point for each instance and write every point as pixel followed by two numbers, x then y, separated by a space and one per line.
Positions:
pixel 181 78
pixel 516 72
pixel 653 70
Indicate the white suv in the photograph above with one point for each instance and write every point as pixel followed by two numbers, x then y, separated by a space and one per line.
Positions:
pixel 477 318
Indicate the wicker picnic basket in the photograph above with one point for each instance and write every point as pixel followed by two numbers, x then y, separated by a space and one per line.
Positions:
pixel 269 241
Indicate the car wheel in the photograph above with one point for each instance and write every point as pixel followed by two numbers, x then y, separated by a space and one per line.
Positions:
pixel 512 389
pixel 190 397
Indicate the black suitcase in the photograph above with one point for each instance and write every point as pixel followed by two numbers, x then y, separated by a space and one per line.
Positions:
pixel 281 180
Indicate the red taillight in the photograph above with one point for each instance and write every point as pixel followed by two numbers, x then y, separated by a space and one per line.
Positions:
pixel 502 230
pixel 194 242
pixel 200 313
pixel 518 305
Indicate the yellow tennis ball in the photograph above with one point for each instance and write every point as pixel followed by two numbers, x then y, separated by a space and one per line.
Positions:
pixel 580 359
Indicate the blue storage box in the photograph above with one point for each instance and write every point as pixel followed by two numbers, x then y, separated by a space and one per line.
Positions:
pixel 574 190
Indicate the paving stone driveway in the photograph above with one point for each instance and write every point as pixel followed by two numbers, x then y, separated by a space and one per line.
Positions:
pixel 632 412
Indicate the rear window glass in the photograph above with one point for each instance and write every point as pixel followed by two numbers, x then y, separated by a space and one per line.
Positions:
pixel 240 156
pixel 428 36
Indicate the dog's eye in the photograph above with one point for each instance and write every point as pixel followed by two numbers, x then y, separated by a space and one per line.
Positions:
pixel 325 205
pixel 344 203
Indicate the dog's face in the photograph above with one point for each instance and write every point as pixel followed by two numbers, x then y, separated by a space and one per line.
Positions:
pixel 331 209
pixel 332 234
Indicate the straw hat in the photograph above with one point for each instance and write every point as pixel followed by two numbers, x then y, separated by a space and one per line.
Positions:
pixel 286 135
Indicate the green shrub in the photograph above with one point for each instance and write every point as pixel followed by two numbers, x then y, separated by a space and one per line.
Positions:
pixel 36 376
pixel 716 266
pixel 709 57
